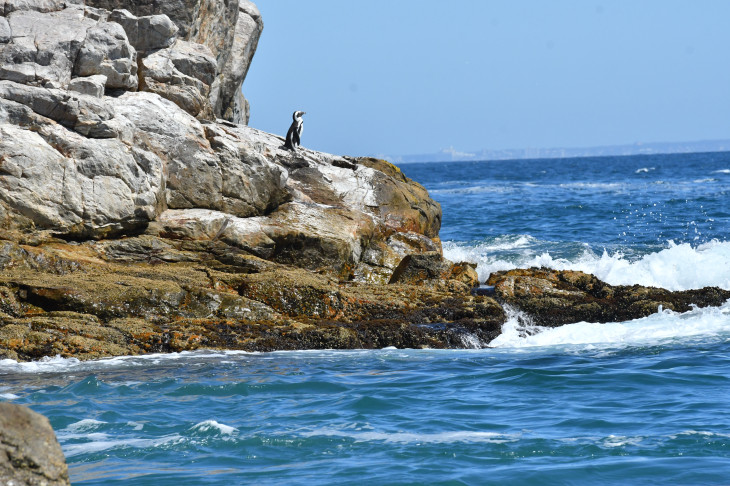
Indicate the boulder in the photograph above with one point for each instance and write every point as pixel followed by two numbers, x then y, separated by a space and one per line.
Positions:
pixel 229 29
pixel 76 186
pixel 107 51
pixel 207 167
pixel 418 268
pixel 41 50
pixel 89 85
pixel 29 451
pixel 146 33
pixel 182 74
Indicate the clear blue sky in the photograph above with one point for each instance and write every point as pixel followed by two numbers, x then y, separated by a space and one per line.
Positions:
pixel 403 77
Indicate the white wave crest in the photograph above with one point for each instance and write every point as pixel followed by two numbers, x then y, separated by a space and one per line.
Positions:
pixel 58 364
pixel 102 442
pixel 663 327
pixel 216 427
pixel 679 267
pixel 84 425
pixel 459 436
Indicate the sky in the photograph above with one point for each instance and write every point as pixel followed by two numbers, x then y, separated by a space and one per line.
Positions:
pixel 400 77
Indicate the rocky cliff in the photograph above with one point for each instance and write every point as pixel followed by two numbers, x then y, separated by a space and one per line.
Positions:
pixel 133 196
pixel 139 213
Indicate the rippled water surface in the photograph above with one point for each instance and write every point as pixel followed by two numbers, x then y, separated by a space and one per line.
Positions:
pixel 554 414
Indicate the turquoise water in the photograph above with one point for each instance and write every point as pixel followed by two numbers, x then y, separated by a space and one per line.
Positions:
pixel 637 402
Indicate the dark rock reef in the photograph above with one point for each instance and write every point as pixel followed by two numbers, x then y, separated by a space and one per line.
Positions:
pixel 554 298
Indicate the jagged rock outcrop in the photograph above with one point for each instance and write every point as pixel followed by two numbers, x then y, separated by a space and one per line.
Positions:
pixel 108 121
pixel 29 451
pixel 230 31
pixel 554 298
pixel 136 217
pixel 150 294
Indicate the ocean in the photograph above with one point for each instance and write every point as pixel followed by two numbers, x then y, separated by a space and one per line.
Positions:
pixel 637 402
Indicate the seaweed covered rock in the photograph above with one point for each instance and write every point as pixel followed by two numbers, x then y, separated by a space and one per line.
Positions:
pixel 147 294
pixel 557 297
pixel 29 451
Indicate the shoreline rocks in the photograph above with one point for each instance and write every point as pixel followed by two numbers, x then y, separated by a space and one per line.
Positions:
pixel 554 298
pixel 138 212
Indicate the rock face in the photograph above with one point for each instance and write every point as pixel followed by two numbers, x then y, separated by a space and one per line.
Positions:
pixel 29 451
pixel 225 31
pixel 110 125
pixel 138 214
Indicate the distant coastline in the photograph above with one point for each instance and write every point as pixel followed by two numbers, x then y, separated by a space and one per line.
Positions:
pixel 454 155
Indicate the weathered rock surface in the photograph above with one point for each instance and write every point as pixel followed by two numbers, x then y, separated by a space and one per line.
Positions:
pixel 554 298
pixel 136 217
pixel 148 294
pixel 229 29
pixel 29 452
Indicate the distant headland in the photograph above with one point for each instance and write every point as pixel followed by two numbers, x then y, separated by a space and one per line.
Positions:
pixel 454 155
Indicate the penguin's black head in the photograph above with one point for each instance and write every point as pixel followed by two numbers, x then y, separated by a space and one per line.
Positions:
pixel 298 114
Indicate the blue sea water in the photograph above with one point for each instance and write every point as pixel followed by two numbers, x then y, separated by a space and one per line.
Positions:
pixel 636 402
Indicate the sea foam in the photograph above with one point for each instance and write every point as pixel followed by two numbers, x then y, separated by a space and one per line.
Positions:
pixel 678 267
pixel 699 324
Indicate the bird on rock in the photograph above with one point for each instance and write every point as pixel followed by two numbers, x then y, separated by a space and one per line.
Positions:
pixel 294 135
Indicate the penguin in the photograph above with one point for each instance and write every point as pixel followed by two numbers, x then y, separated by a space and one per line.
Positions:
pixel 293 136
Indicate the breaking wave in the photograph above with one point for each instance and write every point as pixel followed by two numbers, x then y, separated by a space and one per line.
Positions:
pixel 677 267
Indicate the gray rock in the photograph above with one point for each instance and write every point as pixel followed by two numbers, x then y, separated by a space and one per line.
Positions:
pixel 209 170
pixel 89 85
pixel 231 104
pixel 5 32
pixel 29 451
pixel 182 74
pixel 76 186
pixel 87 115
pixel 35 5
pixel 107 51
pixel 83 154
pixel 52 47
pixel 41 51
pixel 148 32
pixel 232 38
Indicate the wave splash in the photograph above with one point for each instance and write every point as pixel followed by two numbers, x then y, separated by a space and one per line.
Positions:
pixel 677 267
pixel 664 327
